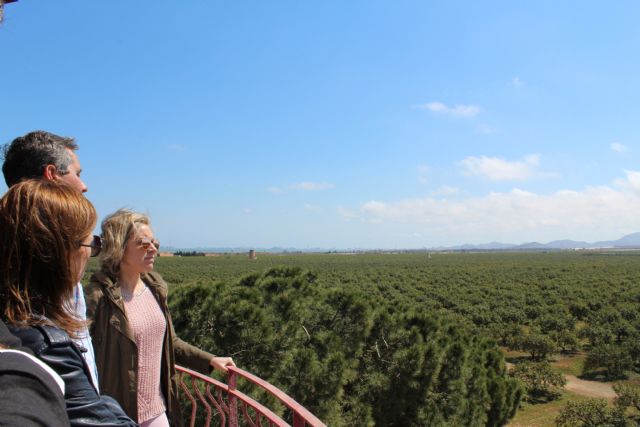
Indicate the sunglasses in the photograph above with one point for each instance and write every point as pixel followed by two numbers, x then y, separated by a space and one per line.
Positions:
pixel 146 243
pixel 95 245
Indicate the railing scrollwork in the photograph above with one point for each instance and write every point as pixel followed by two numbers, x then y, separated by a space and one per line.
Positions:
pixel 218 402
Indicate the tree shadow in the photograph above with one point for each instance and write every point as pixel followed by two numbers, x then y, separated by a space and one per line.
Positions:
pixel 517 359
pixel 542 397
pixel 601 376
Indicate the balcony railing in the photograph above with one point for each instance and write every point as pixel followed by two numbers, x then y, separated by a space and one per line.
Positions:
pixel 211 399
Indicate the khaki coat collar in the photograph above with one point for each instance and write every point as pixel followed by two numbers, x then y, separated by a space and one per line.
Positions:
pixel 113 292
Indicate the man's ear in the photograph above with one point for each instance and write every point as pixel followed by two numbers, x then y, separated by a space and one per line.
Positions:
pixel 50 173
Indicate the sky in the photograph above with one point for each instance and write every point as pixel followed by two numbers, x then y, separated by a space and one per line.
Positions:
pixel 339 124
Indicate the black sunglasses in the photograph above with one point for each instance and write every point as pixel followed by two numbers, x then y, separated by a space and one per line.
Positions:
pixel 95 245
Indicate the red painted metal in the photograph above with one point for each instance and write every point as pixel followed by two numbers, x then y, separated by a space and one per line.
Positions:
pixel 220 401
pixel 301 416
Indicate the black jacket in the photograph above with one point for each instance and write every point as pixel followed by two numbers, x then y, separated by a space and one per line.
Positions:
pixel 85 407
pixel 30 397
pixel 9 340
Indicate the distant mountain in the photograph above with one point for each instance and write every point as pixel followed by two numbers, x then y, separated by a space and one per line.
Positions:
pixel 241 249
pixel 532 245
pixel 568 244
pixel 483 247
pixel 630 241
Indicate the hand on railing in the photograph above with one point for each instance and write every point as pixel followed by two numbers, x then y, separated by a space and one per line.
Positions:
pixel 221 363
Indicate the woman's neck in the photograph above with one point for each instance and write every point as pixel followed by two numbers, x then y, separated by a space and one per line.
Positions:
pixel 129 281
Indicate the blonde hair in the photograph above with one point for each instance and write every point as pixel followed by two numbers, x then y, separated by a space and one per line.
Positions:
pixel 117 229
pixel 42 224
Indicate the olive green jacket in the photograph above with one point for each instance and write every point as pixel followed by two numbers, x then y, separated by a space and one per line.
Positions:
pixel 116 351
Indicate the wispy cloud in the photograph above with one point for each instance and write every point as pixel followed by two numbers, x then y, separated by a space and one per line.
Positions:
pixel 497 169
pixel 301 186
pixel 516 82
pixel 444 190
pixel 619 148
pixel 423 172
pixel 175 147
pixel 631 182
pixel 347 214
pixel 525 214
pixel 275 190
pixel 486 129
pixel 458 110
pixel 311 186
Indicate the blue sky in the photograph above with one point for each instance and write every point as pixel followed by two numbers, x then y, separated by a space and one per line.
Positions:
pixel 339 124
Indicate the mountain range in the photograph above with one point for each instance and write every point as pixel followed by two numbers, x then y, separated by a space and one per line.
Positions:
pixel 630 241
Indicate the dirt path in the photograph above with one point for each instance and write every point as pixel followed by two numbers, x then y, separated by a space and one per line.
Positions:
pixel 585 388
pixel 590 388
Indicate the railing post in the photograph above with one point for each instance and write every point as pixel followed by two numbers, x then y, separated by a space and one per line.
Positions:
pixel 232 380
pixel 298 421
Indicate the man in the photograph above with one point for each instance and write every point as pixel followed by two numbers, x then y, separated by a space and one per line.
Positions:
pixel 44 155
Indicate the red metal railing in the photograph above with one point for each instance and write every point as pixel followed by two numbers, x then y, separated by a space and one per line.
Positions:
pixel 211 398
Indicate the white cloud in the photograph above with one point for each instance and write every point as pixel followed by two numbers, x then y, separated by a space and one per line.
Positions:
pixel 175 147
pixel 444 190
pixel 517 215
pixel 619 148
pixel 464 111
pixel 633 177
pixel 275 190
pixel 516 82
pixel 497 169
pixel 423 172
pixel 347 213
pixel 246 211
pixel 312 186
pixel 485 129
pixel 302 186
pixel 632 182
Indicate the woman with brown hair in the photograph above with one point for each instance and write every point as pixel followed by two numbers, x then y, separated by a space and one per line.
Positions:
pixel 45 243
pixel 135 344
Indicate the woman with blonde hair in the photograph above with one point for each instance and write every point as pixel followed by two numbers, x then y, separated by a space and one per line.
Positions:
pixel 45 243
pixel 135 344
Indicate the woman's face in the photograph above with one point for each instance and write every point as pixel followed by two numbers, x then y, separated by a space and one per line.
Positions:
pixel 136 258
pixel 82 257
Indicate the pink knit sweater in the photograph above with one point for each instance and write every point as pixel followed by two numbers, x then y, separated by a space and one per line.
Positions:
pixel 148 325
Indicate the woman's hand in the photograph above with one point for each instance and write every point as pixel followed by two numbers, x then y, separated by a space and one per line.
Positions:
pixel 221 363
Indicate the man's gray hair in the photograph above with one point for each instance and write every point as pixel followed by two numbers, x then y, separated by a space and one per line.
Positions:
pixel 27 156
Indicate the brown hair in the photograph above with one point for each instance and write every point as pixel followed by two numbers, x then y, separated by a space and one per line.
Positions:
pixel 42 224
pixel 117 229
